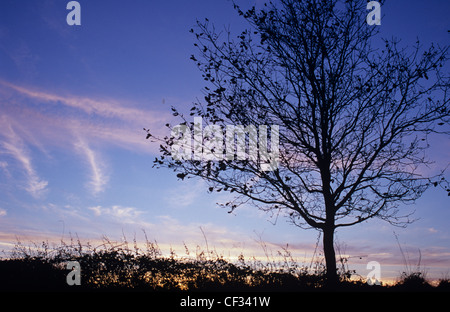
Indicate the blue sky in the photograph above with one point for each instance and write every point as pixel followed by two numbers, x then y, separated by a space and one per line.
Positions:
pixel 73 155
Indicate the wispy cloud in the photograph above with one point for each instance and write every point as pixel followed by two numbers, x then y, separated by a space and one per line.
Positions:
pixel 4 167
pixel 185 193
pixel 106 108
pixel 73 124
pixel 125 214
pixel 14 146
pixel 116 122
pixel 98 178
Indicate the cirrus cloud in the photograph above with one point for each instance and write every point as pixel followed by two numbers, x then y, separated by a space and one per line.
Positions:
pixel 13 145
pixel 99 177
pixel 126 214
pixel 32 117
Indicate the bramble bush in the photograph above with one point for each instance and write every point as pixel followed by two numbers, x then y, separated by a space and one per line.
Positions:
pixel 119 266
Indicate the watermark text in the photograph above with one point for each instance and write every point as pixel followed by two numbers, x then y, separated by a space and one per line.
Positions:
pixel 235 143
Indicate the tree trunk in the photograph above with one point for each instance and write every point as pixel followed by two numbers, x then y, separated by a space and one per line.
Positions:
pixel 330 256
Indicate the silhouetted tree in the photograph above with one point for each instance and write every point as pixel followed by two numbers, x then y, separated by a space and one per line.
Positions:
pixel 353 119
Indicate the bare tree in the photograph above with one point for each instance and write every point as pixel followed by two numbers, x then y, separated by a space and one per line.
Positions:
pixel 353 119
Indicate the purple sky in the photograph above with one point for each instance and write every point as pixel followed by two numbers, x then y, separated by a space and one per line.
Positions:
pixel 73 155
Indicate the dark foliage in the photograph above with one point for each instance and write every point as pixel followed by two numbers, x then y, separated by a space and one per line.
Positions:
pixel 116 267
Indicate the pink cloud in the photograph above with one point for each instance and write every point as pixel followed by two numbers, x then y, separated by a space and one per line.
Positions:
pixel 75 124
pixel 14 146
pixel 99 177
pixel 54 116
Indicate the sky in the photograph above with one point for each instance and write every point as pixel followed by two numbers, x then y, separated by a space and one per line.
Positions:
pixel 74 160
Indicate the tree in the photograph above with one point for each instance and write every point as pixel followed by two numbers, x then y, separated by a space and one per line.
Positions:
pixel 353 119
